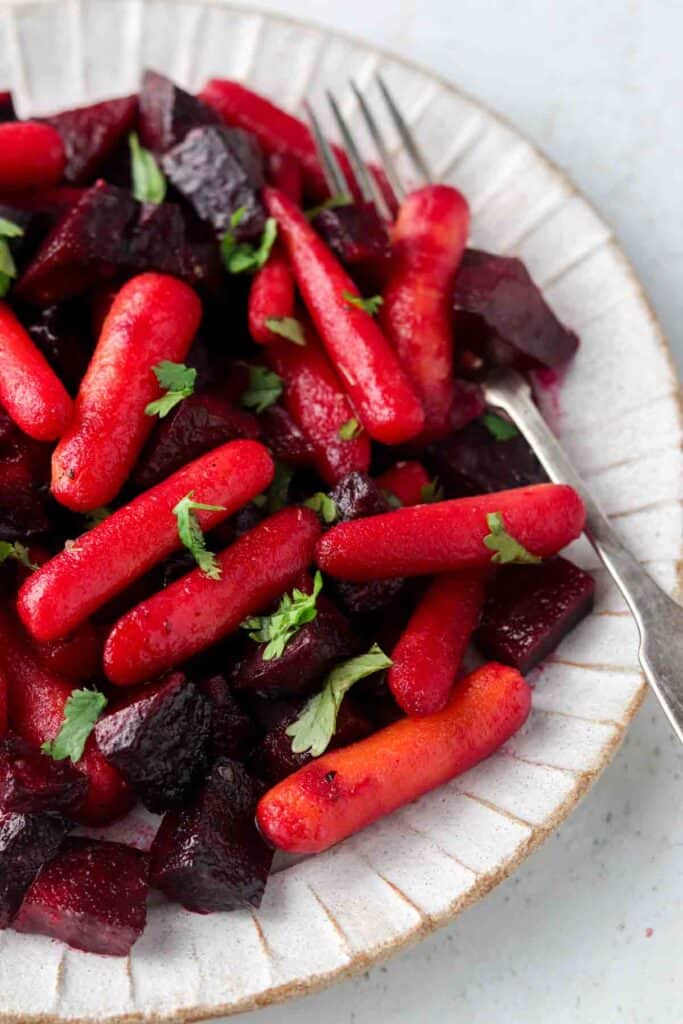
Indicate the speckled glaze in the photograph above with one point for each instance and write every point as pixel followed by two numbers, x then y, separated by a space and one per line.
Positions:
pixel 617 413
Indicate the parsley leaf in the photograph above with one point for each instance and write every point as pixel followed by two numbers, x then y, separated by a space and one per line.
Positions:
pixel 315 726
pixel 500 429
pixel 431 492
pixel 81 712
pixel 178 380
pixel 149 184
pixel 17 552
pixel 97 516
pixel 8 270
pixel 393 499
pixel 190 533
pixel 293 612
pixel 239 257
pixel 371 305
pixel 324 505
pixel 506 547
pixel 265 387
pixel 287 327
pixel 278 492
pixel 333 203
pixel 350 430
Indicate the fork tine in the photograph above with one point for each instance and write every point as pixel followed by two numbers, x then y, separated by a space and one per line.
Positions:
pixel 385 156
pixel 419 162
pixel 334 176
pixel 366 184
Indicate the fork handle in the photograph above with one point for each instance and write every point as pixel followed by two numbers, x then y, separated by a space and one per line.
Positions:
pixel 658 617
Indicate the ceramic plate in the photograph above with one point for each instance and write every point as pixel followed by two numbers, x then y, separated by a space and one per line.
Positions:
pixel 616 412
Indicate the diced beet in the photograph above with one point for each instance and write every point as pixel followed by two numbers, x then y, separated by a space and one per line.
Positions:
pixel 247 518
pixel 474 462
pixel 198 424
pixel 158 240
pixel 308 656
pixel 58 333
pixel 232 730
pixel 167 113
pixel 284 437
pixel 218 171
pixel 158 741
pixel 53 202
pixel 7 111
pixel 93 896
pixel 209 856
pixel 91 133
pixel 468 403
pixel 27 842
pixel 519 328
pixel 85 248
pixel 30 781
pixel 357 236
pixel 530 608
pixel 23 508
pixel 34 224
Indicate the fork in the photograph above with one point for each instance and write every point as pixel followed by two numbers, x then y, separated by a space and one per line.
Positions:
pixel 659 618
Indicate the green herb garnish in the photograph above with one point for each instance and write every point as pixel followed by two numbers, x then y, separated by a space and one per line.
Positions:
pixel 265 387
pixel 502 430
pixel 293 612
pixel 506 547
pixel 324 505
pixel 81 712
pixel 178 380
pixel 190 533
pixel 16 552
pixel 350 430
pixel 149 184
pixel 242 257
pixel 287 327
pixel 8 270
pixel 371 305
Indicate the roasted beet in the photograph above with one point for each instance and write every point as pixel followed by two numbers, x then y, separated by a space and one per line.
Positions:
pixel 167 113
pixel 209 856
pixel 27 842
pixel 93 896
pixel 86 247
pixel 311 652
pixel 284 437
pixel 157 240
pixel 34 225
pixel 232 730
pixel 530 608
pixel 358 237
pixel 59 333
pixel 30 781
pixel 218 171
pixel 23 508
pixel 91 133
pixel 474 462
pixel 468 403
pixel 158 741
pixel 514 325
pixel 198 424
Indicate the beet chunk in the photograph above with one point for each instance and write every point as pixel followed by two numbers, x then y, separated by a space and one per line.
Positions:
pixel 58 332
pixel 514 325
pixel 285 439
pixel 158 741
pixel 474 462
pixel 167 112
pixel 23 508
pixel 91 133
pixel 308 656
pixel 218 171
pixel 209 856
pixel 200 423
pixel 31 782
pixel 27 842
pixel 357 236
pixel 232 730
pixel 93 896
pixel 530 608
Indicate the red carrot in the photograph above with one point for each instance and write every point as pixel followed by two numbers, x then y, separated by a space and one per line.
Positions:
pixel 345 790
pixel 427 658
pixel 30 391
pixel 37 698
pixel 271 296
pixel 195 612
pixel 283 171
pixel 71 586
pixel 77 657
pixel 408 481
pixel 386 404
pixel 428 240
pixel 153 318
pixel 315 399
pixel 31 155
pixel 449 535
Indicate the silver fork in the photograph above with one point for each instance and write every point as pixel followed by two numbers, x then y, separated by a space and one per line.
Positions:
pixel 658 617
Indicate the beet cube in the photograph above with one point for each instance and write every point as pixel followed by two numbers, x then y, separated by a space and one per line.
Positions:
pixel 514 322
pixel 27 842
pixel 218 171
pixel 198 424
pixel 357 236
pixel 530 608
pixel 468 403
pixel 209 856
pixel 23 508
pixel 285 439
pixel 308 656
pixel 474 462
pixel 167 112
pixel 31 782
pixel 58 332
pixel 157 741
pixel 91 133
pixel 232 730
pixel 93 896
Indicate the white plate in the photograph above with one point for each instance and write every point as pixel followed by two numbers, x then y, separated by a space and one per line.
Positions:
pixel 617 414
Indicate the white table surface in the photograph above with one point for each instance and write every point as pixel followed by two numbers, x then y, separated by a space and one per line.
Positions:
pixel 589 929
